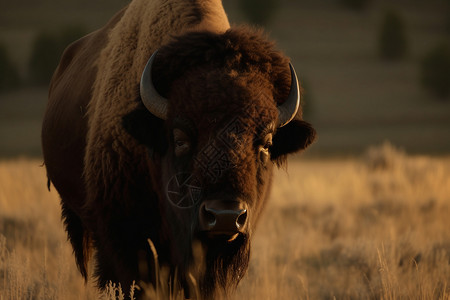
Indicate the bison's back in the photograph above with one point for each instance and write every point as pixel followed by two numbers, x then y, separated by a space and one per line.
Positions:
pixel 65 121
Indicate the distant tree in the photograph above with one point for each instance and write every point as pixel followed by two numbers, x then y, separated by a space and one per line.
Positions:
pixel 435 70
pixel 70 34
pixel 46 52
pixel 259 12
pixel 9 76
pixel 393 42
pixel 355 4
pixel 447 21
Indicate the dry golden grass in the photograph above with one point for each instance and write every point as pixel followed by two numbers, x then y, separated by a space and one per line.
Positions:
pixel 373 227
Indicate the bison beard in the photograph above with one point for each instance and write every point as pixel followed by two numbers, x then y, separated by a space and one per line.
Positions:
pixel 217 264
pixel 226 264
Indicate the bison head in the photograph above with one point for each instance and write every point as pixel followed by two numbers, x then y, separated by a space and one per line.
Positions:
pixel 227 107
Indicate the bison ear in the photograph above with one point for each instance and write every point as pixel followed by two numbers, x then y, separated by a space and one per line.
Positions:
pixel 147 129
pixel 293 137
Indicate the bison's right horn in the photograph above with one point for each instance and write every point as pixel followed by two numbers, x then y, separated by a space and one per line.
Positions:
pixel 288 110
pixel 153 101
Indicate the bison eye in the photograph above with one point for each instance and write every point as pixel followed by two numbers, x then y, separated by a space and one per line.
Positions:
pixel 182 143
pixel 264 149
pixel 264 155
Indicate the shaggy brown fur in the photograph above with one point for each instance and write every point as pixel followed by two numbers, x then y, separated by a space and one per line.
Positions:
pixel 111 163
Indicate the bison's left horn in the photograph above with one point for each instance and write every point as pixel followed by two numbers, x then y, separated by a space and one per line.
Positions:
pixel 153 101
pixel 288 110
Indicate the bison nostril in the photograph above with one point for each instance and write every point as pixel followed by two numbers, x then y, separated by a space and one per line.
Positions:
pixel 209 217
pixel 222 217
pixel 242 218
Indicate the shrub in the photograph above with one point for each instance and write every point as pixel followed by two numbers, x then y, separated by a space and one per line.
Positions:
pixel 9 76
pixel 384 157
pixel 393 43
pixel 435 70
pixel 46 51
pixel 259 11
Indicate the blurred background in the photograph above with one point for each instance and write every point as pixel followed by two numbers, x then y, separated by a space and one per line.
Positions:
pixel 372 70
pixel 365 221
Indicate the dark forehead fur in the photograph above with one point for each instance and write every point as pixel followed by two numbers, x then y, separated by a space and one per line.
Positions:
pixel 239 51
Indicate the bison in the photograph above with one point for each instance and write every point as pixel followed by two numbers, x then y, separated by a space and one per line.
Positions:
pixel 161 131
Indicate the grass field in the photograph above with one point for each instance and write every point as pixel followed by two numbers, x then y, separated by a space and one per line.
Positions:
pixel 372 227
